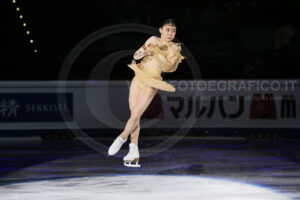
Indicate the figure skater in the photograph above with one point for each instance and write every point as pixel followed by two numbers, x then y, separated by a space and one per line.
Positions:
pixel 158 55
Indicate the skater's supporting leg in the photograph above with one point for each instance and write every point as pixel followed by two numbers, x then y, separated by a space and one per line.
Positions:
pixel 134 91
pixel 133 156
pixel 144 99
pixel 139 100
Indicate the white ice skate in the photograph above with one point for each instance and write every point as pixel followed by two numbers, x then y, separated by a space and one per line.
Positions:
pixel 116 146
pixel 132 156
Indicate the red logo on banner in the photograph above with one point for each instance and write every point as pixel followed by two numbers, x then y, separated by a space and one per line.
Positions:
pixel 155 109
pixel 262 106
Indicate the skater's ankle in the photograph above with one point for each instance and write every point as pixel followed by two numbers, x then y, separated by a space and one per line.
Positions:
pixel 134 142
pixel 123 138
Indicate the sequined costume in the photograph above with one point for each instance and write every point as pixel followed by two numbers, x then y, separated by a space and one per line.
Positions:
pixel 157 57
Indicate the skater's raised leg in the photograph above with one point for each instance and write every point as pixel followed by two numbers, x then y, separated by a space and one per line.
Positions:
pixel 134 136
pixel 116 145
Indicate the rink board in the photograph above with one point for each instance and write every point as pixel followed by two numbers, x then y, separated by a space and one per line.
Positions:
pixel 51 105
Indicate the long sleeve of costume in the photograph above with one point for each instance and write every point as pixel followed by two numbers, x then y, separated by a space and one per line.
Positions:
pixel 142 51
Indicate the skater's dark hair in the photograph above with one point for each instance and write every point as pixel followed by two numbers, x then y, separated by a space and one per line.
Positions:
pixel 168 22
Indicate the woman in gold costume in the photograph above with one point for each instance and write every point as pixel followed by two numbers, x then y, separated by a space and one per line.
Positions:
pixel 158 55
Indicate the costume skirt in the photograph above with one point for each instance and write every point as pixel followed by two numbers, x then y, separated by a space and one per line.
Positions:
pixel 149 76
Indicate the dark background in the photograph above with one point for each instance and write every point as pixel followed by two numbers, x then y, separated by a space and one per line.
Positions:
pixel 230 39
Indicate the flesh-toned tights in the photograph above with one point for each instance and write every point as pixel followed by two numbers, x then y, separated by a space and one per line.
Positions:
pixel 139 100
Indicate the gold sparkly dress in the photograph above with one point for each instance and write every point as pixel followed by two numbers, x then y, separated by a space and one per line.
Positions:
pixel 157 57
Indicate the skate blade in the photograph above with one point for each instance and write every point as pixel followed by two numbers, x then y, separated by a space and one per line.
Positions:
pixel 129 164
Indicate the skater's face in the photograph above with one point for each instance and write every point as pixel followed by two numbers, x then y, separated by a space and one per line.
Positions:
pixel 168 32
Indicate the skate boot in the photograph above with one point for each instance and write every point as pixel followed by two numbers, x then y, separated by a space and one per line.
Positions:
pixel 132 158
pixel 116 146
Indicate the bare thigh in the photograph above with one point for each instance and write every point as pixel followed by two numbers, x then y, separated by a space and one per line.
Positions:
pixel 140 98
pixel 134 91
